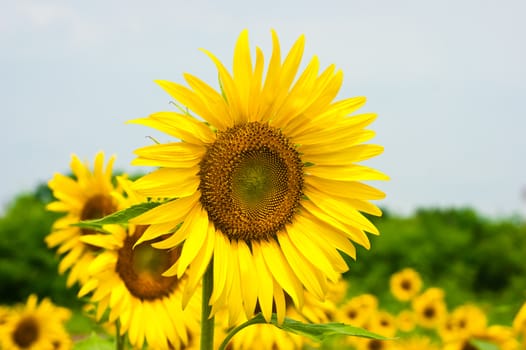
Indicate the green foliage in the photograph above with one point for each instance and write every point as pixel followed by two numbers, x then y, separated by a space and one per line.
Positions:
pixel 26 264
pixel 473 258
pixel 95 342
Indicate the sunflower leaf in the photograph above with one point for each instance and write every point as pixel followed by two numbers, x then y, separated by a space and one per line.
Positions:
pixel 119 217
pixel 315 331
pixel 483 345
pixel 95 342
pixel 321 331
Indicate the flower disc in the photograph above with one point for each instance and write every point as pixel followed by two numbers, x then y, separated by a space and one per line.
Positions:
pixel 251 181
pixel 141 267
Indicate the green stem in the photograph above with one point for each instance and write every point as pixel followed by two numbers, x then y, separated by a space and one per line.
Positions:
pixel 258 319
pixel 207 322
pixel 119 339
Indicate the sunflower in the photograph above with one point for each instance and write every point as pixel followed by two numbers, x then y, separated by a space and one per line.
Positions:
pixel 416 343
pixel 464 322
pixel 405 284
pixel 126 279
pixel 265 177
pixel 405 321
pixel 35 327
pixel 358 310
pixel 86 196
pixel 430 308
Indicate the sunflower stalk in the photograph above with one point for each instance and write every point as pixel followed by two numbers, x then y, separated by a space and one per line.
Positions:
pixel 119 338
pixel 207 322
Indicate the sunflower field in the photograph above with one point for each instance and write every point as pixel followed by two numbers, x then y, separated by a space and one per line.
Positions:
pixel 256 229
pixel 475 263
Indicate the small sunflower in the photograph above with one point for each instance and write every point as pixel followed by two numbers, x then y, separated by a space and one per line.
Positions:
pixel 358 310
pixel 35 326
pixel 430 308
pixel 266 179
pixel 405 284
pixel 86 196
pixel 416 343
pixel 464 322
pixel 126 279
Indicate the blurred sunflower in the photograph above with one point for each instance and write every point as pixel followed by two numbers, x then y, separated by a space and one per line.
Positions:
pixel 464 322
pixel 415 343
pixel 86 196
pixel 35 326
pixel 126 279
pixel 519 322
pixel 430 308
pixel 406 320
pixel 383 323
pixel 358 310
pixel 405 284
pixel 265 177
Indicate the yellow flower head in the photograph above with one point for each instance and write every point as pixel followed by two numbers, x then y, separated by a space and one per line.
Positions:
pixel 126 280
pixel 405 284
pixel 35 326
pixel 464 322
pixel 430 308
pixel 266 179
pixel 86 196
pixel 358 311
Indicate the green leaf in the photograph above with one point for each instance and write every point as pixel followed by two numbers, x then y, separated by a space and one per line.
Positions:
pixel 119 217
pixel 483 345
pixel 320 331
pixel 315 331
pixel 95 342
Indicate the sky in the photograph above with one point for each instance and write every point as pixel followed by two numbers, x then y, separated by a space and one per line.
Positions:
pixel 447 79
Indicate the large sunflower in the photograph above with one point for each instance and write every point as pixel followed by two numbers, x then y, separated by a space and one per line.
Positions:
pixel 265 177
pixel 126 280
pixel 86 196
pixel 35 326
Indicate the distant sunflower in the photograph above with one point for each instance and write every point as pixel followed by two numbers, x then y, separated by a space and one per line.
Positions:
pixel 358 310
pixel 265 177
pixel 430 308
pixel 418 342
pixel 126 279
pixel 464 322
pixel 86 196
pixel 35 326
pixel 405 284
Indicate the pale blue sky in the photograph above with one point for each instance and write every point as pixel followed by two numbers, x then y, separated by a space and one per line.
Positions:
pixel 447 78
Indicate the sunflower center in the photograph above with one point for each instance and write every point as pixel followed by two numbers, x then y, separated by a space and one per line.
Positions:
pixel 141 267
pixel 26 332
pixel 251 181
pixel 406 285
pixel 429 312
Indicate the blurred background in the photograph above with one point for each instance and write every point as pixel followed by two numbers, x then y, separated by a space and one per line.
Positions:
pixel 447 79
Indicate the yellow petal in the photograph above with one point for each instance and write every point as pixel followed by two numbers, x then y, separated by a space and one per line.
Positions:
pixel 171 155
pixel 168 183
pixel 309 275
pixel 173 211
pixel 351 189
pixel 283 274
pixel 198 218
pixel 265 283
pixel 247 268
